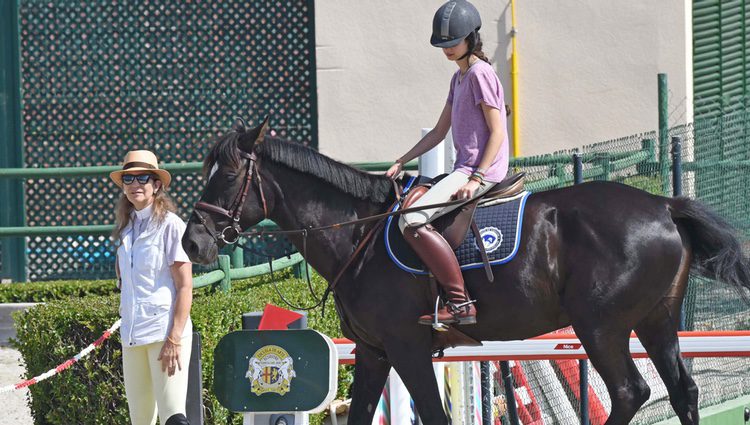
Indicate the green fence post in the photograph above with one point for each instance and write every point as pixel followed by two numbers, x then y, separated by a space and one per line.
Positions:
pixel 650 165
pixel 238 257
pixel 226 282
pixel 11 144
pixel 604 161
pixel 664 167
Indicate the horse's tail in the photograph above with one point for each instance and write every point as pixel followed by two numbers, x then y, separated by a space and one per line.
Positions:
pixel 717 252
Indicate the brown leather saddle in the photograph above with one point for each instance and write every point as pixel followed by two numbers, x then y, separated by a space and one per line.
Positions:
pixel 455 224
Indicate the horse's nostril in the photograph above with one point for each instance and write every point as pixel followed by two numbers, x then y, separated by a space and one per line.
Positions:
pixel 191 247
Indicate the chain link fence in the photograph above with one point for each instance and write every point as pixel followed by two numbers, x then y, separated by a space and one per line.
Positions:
pixel 716 170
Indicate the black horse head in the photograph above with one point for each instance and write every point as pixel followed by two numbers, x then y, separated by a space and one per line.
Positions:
pixel 231 200
pixel 252 176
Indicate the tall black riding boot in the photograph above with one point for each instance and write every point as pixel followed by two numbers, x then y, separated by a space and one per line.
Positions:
pixel 441 261
pixel 177 419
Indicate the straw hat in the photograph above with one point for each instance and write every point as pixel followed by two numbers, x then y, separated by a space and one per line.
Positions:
pixel 139 161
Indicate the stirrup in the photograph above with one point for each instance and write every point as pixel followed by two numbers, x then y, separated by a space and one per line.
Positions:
pixel 437 325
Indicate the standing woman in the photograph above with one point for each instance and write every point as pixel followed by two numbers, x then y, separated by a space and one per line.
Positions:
pixel 475 113
pixel 156 279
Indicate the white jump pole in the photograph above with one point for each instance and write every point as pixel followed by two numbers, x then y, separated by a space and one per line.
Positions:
pixel 400 401
pixel 437 160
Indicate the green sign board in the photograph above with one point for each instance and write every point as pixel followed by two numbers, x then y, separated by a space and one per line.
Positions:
pixel 275 371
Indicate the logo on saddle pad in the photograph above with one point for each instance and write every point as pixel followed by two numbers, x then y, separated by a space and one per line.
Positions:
pixel 492 238
pixel 270 371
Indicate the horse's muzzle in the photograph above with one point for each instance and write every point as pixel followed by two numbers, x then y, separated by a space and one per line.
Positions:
pixel 199 246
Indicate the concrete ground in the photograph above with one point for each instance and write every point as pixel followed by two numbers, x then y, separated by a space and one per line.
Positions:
pixel 13 407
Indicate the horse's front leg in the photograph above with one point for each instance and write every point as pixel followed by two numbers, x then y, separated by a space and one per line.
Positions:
pixel 370 372
pixel 412 360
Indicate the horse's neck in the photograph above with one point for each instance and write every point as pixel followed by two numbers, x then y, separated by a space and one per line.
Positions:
pixel 309 203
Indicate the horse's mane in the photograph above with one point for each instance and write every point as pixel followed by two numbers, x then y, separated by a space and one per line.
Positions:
pixel 349 180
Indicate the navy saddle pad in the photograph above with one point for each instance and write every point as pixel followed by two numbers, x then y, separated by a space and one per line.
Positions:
pixel 499 224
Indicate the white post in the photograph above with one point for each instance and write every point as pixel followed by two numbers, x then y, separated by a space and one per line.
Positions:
pixel 437 160
pixel 400 401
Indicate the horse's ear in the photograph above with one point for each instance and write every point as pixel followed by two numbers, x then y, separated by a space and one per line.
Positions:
pixel 254 137
pixel 262 129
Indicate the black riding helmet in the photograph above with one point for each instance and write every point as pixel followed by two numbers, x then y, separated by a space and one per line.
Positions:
pixel 453 22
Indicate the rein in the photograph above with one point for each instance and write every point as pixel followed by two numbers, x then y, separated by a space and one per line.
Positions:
pixel 231 234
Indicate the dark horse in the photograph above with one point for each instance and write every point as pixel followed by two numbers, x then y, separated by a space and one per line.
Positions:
pixel 603 257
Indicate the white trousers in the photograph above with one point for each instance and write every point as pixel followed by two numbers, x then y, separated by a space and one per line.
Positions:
pixel 148 388
pixel 442 191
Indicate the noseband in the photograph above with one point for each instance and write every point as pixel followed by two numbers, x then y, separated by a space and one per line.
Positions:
pixel 231 233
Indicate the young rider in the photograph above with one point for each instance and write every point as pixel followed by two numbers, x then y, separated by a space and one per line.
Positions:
pixel 475 113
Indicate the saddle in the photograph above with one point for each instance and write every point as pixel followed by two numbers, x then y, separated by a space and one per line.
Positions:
pixel 455 225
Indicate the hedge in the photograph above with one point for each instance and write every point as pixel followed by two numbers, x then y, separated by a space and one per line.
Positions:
pixel 92 390
pixel 38 292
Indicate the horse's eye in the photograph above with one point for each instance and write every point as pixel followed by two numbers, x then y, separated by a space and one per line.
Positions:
pixel 231 178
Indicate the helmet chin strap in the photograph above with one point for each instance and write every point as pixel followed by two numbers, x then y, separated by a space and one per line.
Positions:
pixel 472 43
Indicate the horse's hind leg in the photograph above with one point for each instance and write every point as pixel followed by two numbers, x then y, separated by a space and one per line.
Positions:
pixel 370 372
pixel 608 350
pixel 658 334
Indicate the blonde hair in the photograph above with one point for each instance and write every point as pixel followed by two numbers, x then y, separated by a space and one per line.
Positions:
pixel 162 204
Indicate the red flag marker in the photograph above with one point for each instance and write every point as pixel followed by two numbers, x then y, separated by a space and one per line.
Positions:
pixel 277 318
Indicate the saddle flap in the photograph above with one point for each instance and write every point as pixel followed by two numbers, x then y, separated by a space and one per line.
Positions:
pixel 455 225
pixel 510 186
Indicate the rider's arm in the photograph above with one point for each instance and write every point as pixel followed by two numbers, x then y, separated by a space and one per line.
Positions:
pixel 496 123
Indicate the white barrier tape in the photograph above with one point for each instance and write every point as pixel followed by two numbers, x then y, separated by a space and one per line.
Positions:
pixel 567 346
pixel 54 371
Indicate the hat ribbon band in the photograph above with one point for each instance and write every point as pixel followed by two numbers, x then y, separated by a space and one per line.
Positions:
pixel 134 164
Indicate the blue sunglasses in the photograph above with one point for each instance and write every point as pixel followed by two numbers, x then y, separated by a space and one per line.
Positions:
pixel 142 178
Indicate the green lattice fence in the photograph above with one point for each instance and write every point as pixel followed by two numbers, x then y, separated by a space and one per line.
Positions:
pixel 101 78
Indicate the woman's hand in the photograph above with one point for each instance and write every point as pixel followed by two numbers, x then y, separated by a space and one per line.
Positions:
pixel 395 170
pixel 170 358
pixel 467 190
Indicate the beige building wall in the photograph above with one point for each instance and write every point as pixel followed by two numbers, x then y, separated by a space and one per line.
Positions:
pixel 588 71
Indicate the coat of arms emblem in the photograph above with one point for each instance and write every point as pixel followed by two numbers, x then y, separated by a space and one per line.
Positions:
pixel 270 370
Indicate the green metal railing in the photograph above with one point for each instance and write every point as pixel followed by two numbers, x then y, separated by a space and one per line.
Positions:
pixel 224 275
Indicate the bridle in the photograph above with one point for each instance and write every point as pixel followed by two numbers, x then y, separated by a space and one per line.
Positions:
pixel 230 235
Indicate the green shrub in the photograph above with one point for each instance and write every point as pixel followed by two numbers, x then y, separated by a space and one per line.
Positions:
pixel 92 390
pixel 38 292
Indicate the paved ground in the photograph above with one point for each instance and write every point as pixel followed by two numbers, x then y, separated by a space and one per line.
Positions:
pixel 13 407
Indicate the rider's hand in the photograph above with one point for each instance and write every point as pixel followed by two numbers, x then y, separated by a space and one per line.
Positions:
pixel 467 190
pixel 395 170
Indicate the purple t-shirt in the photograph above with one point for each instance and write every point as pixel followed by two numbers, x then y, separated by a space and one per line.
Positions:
pixel 468 127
